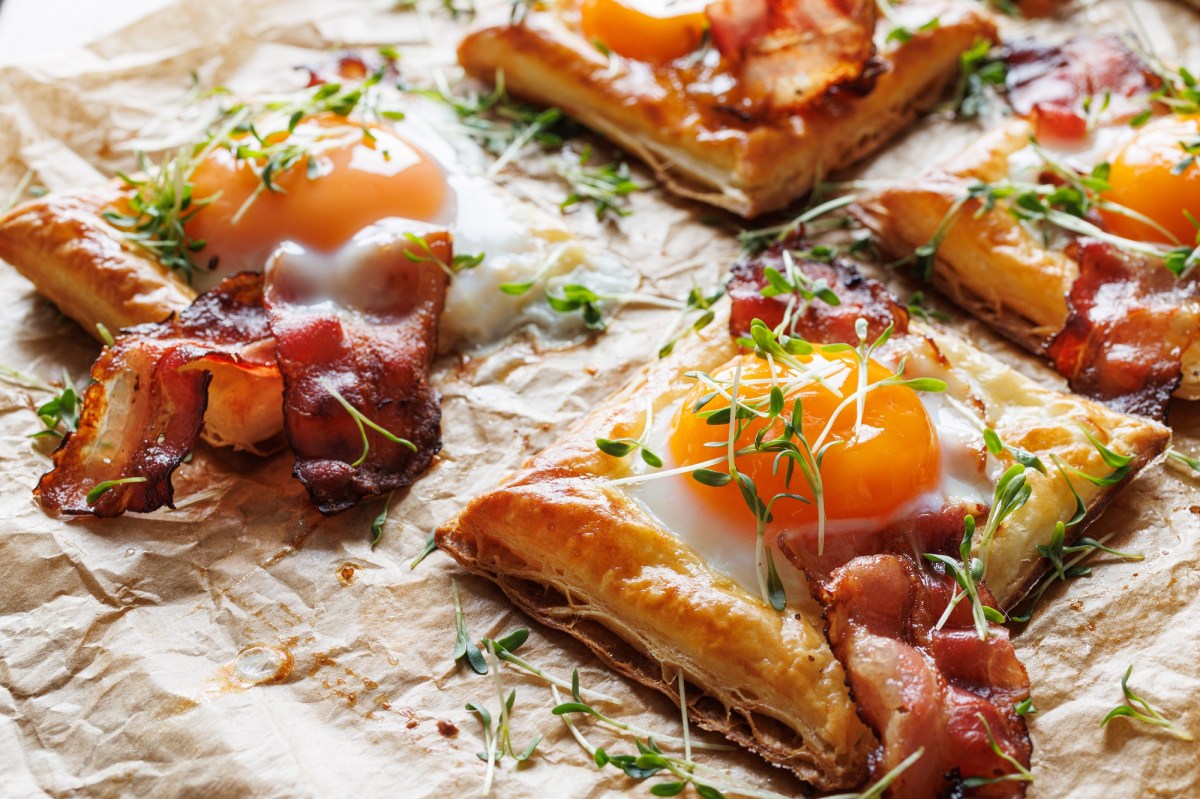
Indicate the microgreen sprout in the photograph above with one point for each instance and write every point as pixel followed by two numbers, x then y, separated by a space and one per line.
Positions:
pixel 695 315
pixel 425 254
pixel 607 187
pixel 426 551
pixel 60 414
pixel 800 288
pixel 103 488
pixel 1012 491
pixel 505 649
pixel 621 447
pixel 995 445
pixel 1065 206
pixel 497 123
pixel 919 310
pixel 1055 550
pixel 1137 708
pixel 380 520
pixel 1025 707
pixel 1188 461
pixel 753 241
pixel 580 706
pixel 362 422
pixel 1020 775
pixel 978 69
pixel 462 639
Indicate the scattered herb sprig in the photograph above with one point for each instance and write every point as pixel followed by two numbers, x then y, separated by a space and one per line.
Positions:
pixel 363 422
pixel 606 186
pixel 1135 707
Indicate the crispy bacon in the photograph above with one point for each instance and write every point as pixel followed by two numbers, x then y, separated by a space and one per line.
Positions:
pixel 815 320
pixel 144 411
pixel 917 687
pixel 369 336
pixel 1129 323
pixel 1050 82
pixel 790 53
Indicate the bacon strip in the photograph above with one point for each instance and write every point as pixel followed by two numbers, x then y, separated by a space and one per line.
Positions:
pixel 1129 323
pixel 859 297
pixel 144 411
pixel 371 336
pixel 790 53
pixel 1049 82
pixel 916 686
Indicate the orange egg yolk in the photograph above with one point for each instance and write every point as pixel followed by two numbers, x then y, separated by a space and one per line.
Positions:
pixel 357 180
pixel 1150 174
pixel 891 460
pixel 630 30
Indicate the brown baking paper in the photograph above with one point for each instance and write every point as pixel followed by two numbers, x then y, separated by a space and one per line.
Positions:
pixel 120 639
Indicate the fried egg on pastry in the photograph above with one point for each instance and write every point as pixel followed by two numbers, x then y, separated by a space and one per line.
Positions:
pixel 362 185
pixel 746 118
pixel 1034 280
pixel 914 452
pixel 656 570
pixel 329 184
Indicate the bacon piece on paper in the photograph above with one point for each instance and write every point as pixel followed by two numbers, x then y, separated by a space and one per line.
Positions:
pixel 917 687
pixel 1049 83
pixel 1129 323
pixel 790 53
pixel 814 320
pixel 365 328
pixel 146 408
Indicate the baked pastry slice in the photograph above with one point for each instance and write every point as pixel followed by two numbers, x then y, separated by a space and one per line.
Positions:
pixel 691 117
pixel 659 574
pixel 1071 235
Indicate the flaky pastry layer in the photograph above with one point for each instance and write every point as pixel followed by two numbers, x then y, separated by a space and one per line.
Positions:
pixel 62 244
pixel 586 557
pixel 990 264
pixel 742 166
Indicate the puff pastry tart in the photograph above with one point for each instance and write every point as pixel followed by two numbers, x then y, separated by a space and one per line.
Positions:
pixel 743 105
pixel 1071 232
pixel 773 555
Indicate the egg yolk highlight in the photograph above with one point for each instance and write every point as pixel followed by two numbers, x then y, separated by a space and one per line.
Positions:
pixel 1149 175
pixel 657 35
pixel 891 460
pixel 357 180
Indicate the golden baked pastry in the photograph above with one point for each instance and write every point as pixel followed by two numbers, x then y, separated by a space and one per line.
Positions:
pixel 1014 276
pixel 685 118
pixel 575 542
pixel 62 244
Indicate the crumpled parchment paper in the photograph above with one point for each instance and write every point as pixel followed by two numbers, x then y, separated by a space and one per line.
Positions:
pixel 120 639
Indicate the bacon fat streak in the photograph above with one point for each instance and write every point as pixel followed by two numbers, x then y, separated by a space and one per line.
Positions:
pixel 816 320
pixel 145 410
pixel 373 345
pixel 1049 83
pixel 790 53
pixel 1129 323
pixel 369 336
pixel 938 691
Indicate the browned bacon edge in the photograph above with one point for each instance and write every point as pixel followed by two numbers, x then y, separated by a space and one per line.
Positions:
pixel 374 347
pixel 917 687
pixel 791 53
pixel 144 411
pixel 914 686
pixel 1048 83
pixel 859 297
pixel 1129 322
